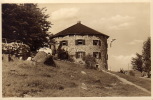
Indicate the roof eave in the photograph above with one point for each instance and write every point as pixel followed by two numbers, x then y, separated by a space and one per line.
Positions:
pixel 54 36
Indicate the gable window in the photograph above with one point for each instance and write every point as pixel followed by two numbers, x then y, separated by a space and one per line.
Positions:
pixel 80 42
pixel 97 55
pixel 64 43
pixel 80 54
pixel 97 42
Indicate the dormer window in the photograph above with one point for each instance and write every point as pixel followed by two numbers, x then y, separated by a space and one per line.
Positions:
pixel 64 43
pixel 80 42
pixel 97 42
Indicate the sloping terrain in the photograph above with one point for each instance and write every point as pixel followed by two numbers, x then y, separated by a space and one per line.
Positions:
pixel 24 79
pixel 143 82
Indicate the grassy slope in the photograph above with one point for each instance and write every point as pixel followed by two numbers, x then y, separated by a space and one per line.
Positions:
pixel 136 80
pixel 21 78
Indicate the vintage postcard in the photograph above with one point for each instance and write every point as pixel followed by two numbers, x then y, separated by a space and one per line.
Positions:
pixel 76 49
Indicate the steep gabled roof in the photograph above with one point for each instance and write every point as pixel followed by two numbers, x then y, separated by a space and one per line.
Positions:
pixel 78 29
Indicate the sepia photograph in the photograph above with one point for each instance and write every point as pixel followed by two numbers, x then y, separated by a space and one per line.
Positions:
pixel 76 49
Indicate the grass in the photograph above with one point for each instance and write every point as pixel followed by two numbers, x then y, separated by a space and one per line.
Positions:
pixel 23 79
pixel 136 80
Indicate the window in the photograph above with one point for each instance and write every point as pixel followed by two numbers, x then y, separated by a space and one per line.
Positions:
pixel 64 43
pixel 97 55
pixel 80 54
pixel 80 42
pixel 97 42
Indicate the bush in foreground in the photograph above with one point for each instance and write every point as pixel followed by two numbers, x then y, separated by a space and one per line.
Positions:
pixel 90 61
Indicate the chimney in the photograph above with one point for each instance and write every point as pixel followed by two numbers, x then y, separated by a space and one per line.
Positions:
pixel 79 22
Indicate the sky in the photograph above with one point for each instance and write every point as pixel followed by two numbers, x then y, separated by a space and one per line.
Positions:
pixel 128 23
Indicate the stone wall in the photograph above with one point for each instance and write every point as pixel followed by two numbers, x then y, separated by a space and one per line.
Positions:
pixel 88 48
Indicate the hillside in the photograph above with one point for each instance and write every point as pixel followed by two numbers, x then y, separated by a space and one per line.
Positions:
pixel 23 79
pixel 140 81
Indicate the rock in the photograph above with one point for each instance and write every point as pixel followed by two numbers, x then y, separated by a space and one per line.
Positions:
pixel 29 59
pixel 46 50
pixel 108 87
pixel 40 57
pixel 113 84
pixel 83 86
pixel 61 88
pixel 43 58
pixel 26 95
pixel 98 81
pixel 71 76
pixel 20 58
pixel 82 72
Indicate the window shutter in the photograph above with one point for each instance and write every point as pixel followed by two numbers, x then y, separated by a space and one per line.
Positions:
pixel 93 42
pixel 76 54
pixel 84 54
pixel 66 43
pixel 76 42
pixel 99 43
pixel 83 42
pixel 93 54
pixel 60 42
pixel 99 55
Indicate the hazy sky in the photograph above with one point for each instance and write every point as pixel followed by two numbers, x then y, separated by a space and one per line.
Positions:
pixel 128 23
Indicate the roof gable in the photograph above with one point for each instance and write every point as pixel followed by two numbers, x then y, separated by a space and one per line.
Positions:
pixel 78 29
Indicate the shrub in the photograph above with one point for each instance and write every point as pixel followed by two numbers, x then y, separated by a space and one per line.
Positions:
pixel 122 71
pixel 149 75
pixel 131 73
pixel 17 49
pixel 71 58
pixel 90 61
pixel 142 62
pixel 62 54
pixel 49 61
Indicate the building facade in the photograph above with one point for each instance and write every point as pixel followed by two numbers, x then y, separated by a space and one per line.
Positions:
pixel 80 40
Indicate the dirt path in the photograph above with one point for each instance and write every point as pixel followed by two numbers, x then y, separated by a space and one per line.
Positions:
pixel 128 82
pixel 145 78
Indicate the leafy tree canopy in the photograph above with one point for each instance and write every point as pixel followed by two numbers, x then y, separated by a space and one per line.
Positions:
pixel 146 55
pixel 137 62
pixel 25 22
pixel 143 62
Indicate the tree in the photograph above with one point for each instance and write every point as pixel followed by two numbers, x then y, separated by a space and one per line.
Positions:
pixel 25 22
pixel 146 56
pixel 143 62
pixel 137 62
